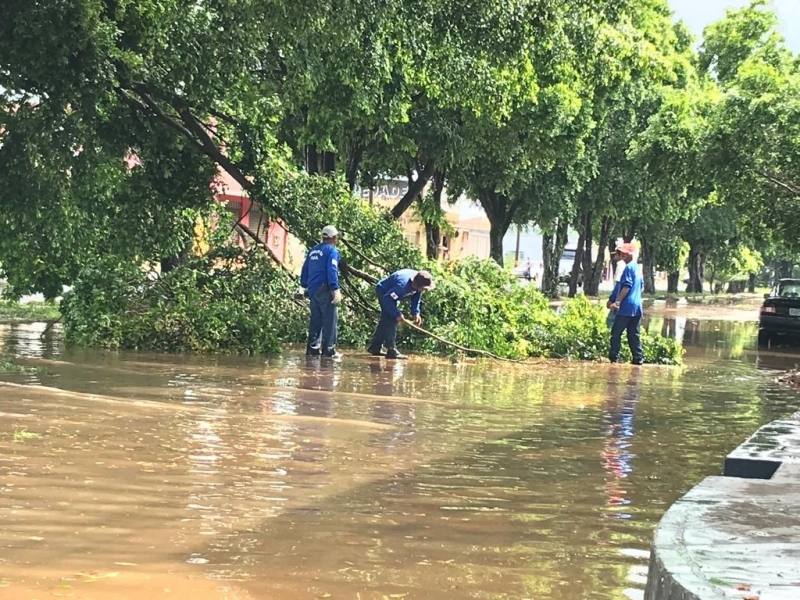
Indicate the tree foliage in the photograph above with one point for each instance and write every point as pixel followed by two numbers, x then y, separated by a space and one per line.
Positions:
pixel 727 146
pixel 596 114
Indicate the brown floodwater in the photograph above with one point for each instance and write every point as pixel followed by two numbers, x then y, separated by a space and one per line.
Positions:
pixel 146 476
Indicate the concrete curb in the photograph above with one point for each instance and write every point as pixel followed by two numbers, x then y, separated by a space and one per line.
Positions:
pixel 736 537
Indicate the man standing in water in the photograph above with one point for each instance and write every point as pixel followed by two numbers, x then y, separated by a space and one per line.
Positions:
pixel 626 300
pixel 320 276
pixel 391 291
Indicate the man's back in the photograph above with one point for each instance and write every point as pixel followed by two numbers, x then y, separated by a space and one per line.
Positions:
pixel 321 260
pixel 398 279
pixel 631 279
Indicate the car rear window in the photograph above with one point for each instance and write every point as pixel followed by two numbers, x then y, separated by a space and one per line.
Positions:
pixel 789 289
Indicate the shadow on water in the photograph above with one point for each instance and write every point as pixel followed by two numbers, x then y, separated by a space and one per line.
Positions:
pixel 188 477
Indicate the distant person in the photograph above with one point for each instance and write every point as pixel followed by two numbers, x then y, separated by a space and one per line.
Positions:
pixel 320 277
pixel 626 300
pixel 620 268
pixel 527 273
pixel 618 271
pixel 391 291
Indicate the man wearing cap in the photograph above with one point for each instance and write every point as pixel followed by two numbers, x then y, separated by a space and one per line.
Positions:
pixel 320 277
pixel 626 300
pixel 391 291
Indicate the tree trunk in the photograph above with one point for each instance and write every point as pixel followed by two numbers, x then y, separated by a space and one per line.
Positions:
pixel 500 213
pixel 549 271
pixel 433 239
pixel 319 163
pixel 751 283
pixel 354 164
pixel 414 189
pixel 696 271
pixel 496 234
pixel 591 283
pixel 648 266
pixel 578 264
pixel 552 250
pixel 736 287
pixel 673 281
pixel 433 231
pixel 588 244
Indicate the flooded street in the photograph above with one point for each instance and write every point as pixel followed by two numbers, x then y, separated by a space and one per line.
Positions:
pixel 144 476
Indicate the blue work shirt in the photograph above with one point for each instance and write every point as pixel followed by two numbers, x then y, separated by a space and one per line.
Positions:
pixel 320 268
pixel 632 304
pixel 396 287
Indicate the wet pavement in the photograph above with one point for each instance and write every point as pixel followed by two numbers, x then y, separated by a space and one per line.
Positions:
pixel 161 476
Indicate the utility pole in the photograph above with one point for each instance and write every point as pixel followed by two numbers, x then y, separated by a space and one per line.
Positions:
pixel 516 252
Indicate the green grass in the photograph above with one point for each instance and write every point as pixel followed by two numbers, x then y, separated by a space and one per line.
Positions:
pixel 9 366
pixel 20 435
pixel 32 311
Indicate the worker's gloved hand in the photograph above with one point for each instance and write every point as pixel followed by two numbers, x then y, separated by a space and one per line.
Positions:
pixel 417 320
pixel 337 297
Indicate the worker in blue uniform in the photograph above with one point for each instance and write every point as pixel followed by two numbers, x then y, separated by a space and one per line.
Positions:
pixel 406 283
pixel 320 278
pixel 626 300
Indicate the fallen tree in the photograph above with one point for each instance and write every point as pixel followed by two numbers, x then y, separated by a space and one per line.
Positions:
pixel 235 300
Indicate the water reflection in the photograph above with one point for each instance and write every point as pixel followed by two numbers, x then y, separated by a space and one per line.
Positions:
pixel 619 411
pixel 238 478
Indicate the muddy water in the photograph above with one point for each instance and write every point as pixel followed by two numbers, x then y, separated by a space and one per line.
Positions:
pixel 137 476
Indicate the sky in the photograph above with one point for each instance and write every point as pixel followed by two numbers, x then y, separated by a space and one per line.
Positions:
pixel 699 13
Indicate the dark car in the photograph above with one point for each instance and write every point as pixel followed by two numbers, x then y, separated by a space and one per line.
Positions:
pixel 780 313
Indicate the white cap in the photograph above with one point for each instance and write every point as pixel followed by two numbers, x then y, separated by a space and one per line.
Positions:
pixel 329 232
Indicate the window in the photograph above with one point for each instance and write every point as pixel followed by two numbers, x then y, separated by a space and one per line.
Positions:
pixel 569 254
pixel 789 289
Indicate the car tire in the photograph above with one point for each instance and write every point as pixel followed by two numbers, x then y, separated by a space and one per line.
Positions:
pixel 764 339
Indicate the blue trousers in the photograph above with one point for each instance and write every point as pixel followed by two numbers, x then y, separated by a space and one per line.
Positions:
pixel 631 325
pixel 385 333
pixel 323 330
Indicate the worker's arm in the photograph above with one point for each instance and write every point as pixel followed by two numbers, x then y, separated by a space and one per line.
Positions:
pixel 623 293
pixel 613 297
pixel 416 303
pixel 416 307
pixel 333 270
pixel 304 274
pixel 625 285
